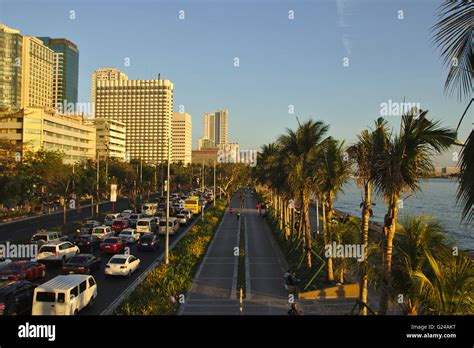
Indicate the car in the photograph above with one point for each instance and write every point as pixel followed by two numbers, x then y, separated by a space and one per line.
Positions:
pixel 173 226
pixel 112 245
pixel 187 213
pixel 126 213
pixel 148 241
pixel 134 218
pixel 109 219
pixel 87 243
pixel 129 235
pixel 103 232
pixel 145 225
pixel 89 226
pixel 182 220
pixel 43 237
pixel 123 265
pixel 16 297
pixel 57 251
pixel 82 264
pixel 19 270
pixel 119 225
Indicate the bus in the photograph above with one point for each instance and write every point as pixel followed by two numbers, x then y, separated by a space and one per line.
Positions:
pixel 192 204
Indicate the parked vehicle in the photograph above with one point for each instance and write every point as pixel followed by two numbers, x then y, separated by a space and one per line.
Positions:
pixel 109 219
pixel 134 218
pixel 148 241
pixel 129 235
pixel 123 265
pixel 112 245
pixel 147 225
pixel 89 226
pixel 102 232
pixel 173 225
pixel 16 297
pixel 64 295
pixel 87 243
pixel 43 237
pixel 119 225
pixel 182 220
pixel 149 209
pixel 82 264
pixel 57 251
pixel 18 270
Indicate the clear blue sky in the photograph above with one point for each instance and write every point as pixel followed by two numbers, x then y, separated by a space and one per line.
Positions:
pixel 282 61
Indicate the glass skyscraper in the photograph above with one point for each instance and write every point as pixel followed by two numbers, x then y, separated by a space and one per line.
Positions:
pixel 66 70
pixel 10 68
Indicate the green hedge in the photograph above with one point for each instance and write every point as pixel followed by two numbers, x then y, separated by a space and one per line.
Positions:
pixel 153 296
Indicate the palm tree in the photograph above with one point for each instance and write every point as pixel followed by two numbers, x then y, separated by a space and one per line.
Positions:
pixel 364 154
pixel 331 171
pixel 299 148
pixel 454 35
pixel 407 158
pixel 417 236
pixel 448 286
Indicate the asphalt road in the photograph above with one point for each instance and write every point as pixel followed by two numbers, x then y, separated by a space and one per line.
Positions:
pixel 22 230
pixel 108 288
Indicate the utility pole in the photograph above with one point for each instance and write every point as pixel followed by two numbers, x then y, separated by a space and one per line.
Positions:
pixel 98 197
pixel 141 179
pixel 214 187
pixel 202 185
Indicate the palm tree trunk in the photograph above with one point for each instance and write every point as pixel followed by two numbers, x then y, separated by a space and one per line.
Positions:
pixel 388 235
pixel 330 275
pixel 364 280
pixel 307 227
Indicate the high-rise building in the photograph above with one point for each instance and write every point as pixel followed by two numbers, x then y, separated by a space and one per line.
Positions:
pixel 221 127
pixel 32 129
pixel 110 138
pixel 66 70
pixel 106 74
pixel 215 129
pixel 182 140
pixel 146 108
pixel 37 73
pixel 11 43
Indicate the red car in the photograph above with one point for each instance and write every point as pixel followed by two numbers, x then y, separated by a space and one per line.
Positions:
pixel 112 245
pixel 19 270
pixel 119 225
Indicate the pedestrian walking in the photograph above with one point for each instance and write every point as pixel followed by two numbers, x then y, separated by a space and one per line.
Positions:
pixel 293 310
pixel 238 215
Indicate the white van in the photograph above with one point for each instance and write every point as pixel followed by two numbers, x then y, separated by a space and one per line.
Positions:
pixel 149 209
pixel 64 295
pixel 146 225
pixel 173 225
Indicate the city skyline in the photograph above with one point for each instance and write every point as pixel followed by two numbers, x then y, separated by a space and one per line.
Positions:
pixel 287 75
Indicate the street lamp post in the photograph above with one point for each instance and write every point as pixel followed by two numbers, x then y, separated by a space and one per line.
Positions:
pixel 98 197
pixel 167 239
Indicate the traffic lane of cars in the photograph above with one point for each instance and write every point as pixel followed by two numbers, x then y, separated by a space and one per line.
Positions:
pixel 108 289
pixel 22 230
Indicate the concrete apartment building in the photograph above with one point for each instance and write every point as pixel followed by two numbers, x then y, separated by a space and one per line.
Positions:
pixel 146 108
pixel 182 140
pixel 216 129
pixel 106 74
pixel 37 74
pixel 32 129
pixel 110 138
